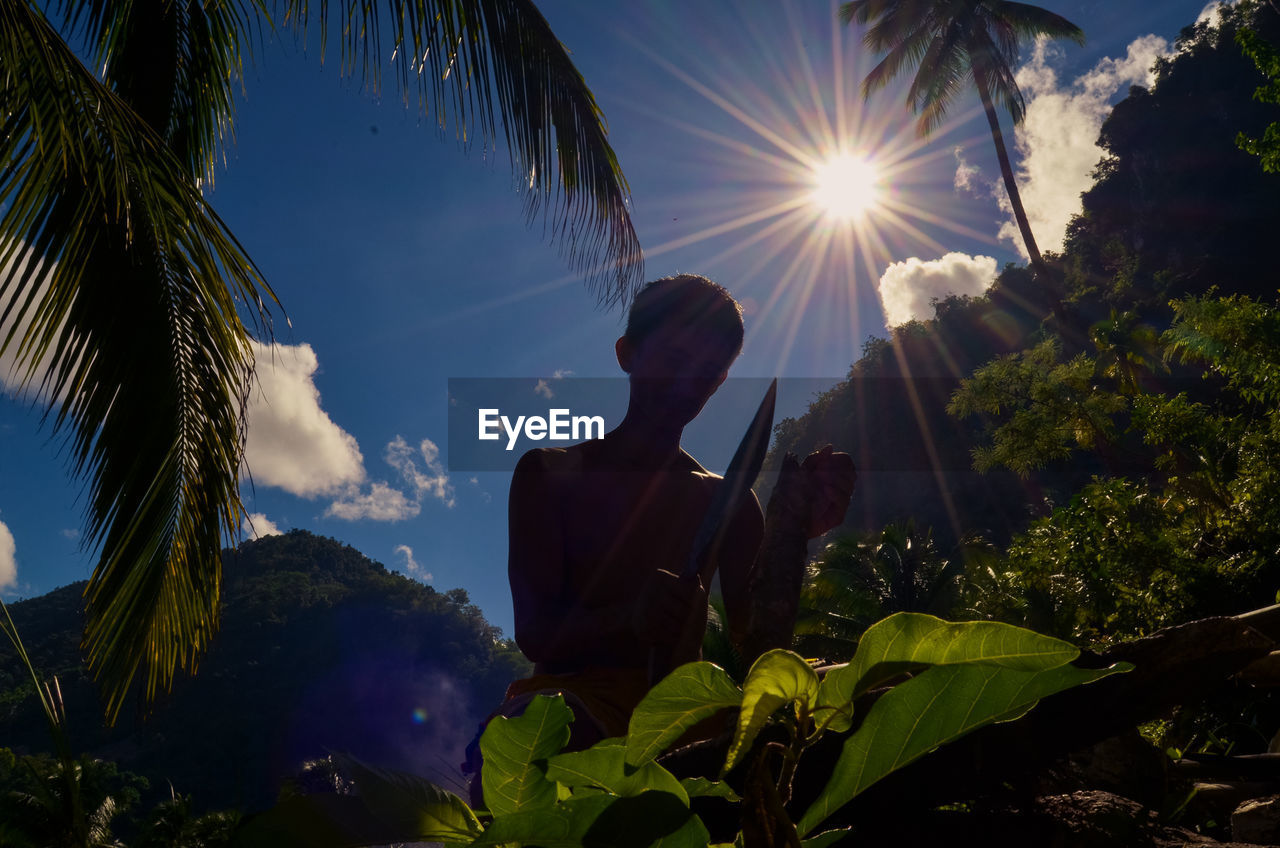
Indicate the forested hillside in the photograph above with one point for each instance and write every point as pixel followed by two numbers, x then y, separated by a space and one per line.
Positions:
pixel 320 649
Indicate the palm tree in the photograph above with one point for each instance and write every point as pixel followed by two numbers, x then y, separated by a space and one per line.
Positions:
pixel 951 42
pixel 1128 351
pixel 126 301
pixel 856 581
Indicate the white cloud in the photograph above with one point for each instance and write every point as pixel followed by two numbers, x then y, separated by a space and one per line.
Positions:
pixel 1058 137
pixel 421 474
pixel 70 533
pixel 380 503
pixel 8 558
pixel 432 481
pixel 967 176
pixel 542 387
pixel 260 525
pixel 908 288
pixel 411 565
pixel 293 444
pixel 11 372
pixel 1212 13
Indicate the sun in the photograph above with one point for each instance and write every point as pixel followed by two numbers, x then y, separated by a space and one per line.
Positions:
pixel 846 186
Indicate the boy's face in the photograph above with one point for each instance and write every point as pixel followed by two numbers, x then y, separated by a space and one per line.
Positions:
pixel 674 372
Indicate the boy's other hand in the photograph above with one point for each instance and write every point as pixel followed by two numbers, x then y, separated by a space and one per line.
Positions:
pixel 665 608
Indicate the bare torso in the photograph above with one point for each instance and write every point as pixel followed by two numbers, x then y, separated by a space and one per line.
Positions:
pixel 615 526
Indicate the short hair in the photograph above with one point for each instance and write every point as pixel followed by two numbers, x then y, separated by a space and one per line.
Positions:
pixel 686 300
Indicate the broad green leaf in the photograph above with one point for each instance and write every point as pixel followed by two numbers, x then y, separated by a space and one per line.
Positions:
pixel 683 698
pixel 700 787
pixel 515 750
pixel 777 678
pixel 938 705
pixel 822 840
pixel 412 806
pixel 603 766
pixel 599 821
pixel 907 641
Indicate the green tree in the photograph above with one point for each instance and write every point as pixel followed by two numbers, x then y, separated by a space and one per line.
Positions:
pixel 124 298
pixel 1267 57
pixel 951 43
pixel 1191 532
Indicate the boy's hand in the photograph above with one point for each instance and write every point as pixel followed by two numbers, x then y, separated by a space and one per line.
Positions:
pixel 665 608
pixel 829 478
pixel 812 497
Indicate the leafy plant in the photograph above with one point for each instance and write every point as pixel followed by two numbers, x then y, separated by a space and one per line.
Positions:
pixel 60 801
pixel 958 677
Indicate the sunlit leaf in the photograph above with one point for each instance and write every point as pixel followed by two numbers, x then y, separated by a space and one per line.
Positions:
pixel 907 641
pixel 936 706
pixel 683 698
pixel 777 678
pixel 603 766
pixel 515 751
pixel 701 787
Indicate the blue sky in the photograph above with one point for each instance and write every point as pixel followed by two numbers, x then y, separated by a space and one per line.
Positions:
pixel 403 262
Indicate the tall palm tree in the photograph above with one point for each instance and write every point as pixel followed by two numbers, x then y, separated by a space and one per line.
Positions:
pixel 951 43
pixel 126 301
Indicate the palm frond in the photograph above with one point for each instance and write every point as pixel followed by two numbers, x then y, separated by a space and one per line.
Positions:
pixel 1032 21
pixel 998 75
pixel 902 55
pixel 943 71
pixel 485 62
pixel 176 64
pixel 129 288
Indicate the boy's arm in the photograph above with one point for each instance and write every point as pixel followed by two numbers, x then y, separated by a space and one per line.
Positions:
pixel 807 501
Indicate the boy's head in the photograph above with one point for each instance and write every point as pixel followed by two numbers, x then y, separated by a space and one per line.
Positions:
pixel 682 335
pixel 687 302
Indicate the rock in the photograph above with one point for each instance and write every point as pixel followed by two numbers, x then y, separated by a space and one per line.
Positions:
pixel 1126 765
pixel 1257 821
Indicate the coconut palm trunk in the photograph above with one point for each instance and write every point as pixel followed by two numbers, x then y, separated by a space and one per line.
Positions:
pixel 1006 171
pixel 949 42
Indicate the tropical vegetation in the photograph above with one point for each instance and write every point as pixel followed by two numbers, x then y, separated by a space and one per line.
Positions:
pixel 618 792
pixel 127 302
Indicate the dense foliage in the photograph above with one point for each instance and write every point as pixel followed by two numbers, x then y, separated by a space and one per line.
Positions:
pixel 320 649
pixel 619 793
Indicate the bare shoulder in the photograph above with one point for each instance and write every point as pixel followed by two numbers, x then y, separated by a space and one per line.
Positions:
pixel 551 460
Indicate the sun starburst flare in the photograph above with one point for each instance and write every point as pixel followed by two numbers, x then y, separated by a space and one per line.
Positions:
pixel 847 186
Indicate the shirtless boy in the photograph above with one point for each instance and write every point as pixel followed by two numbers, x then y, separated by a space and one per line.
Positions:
pixel 599 531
